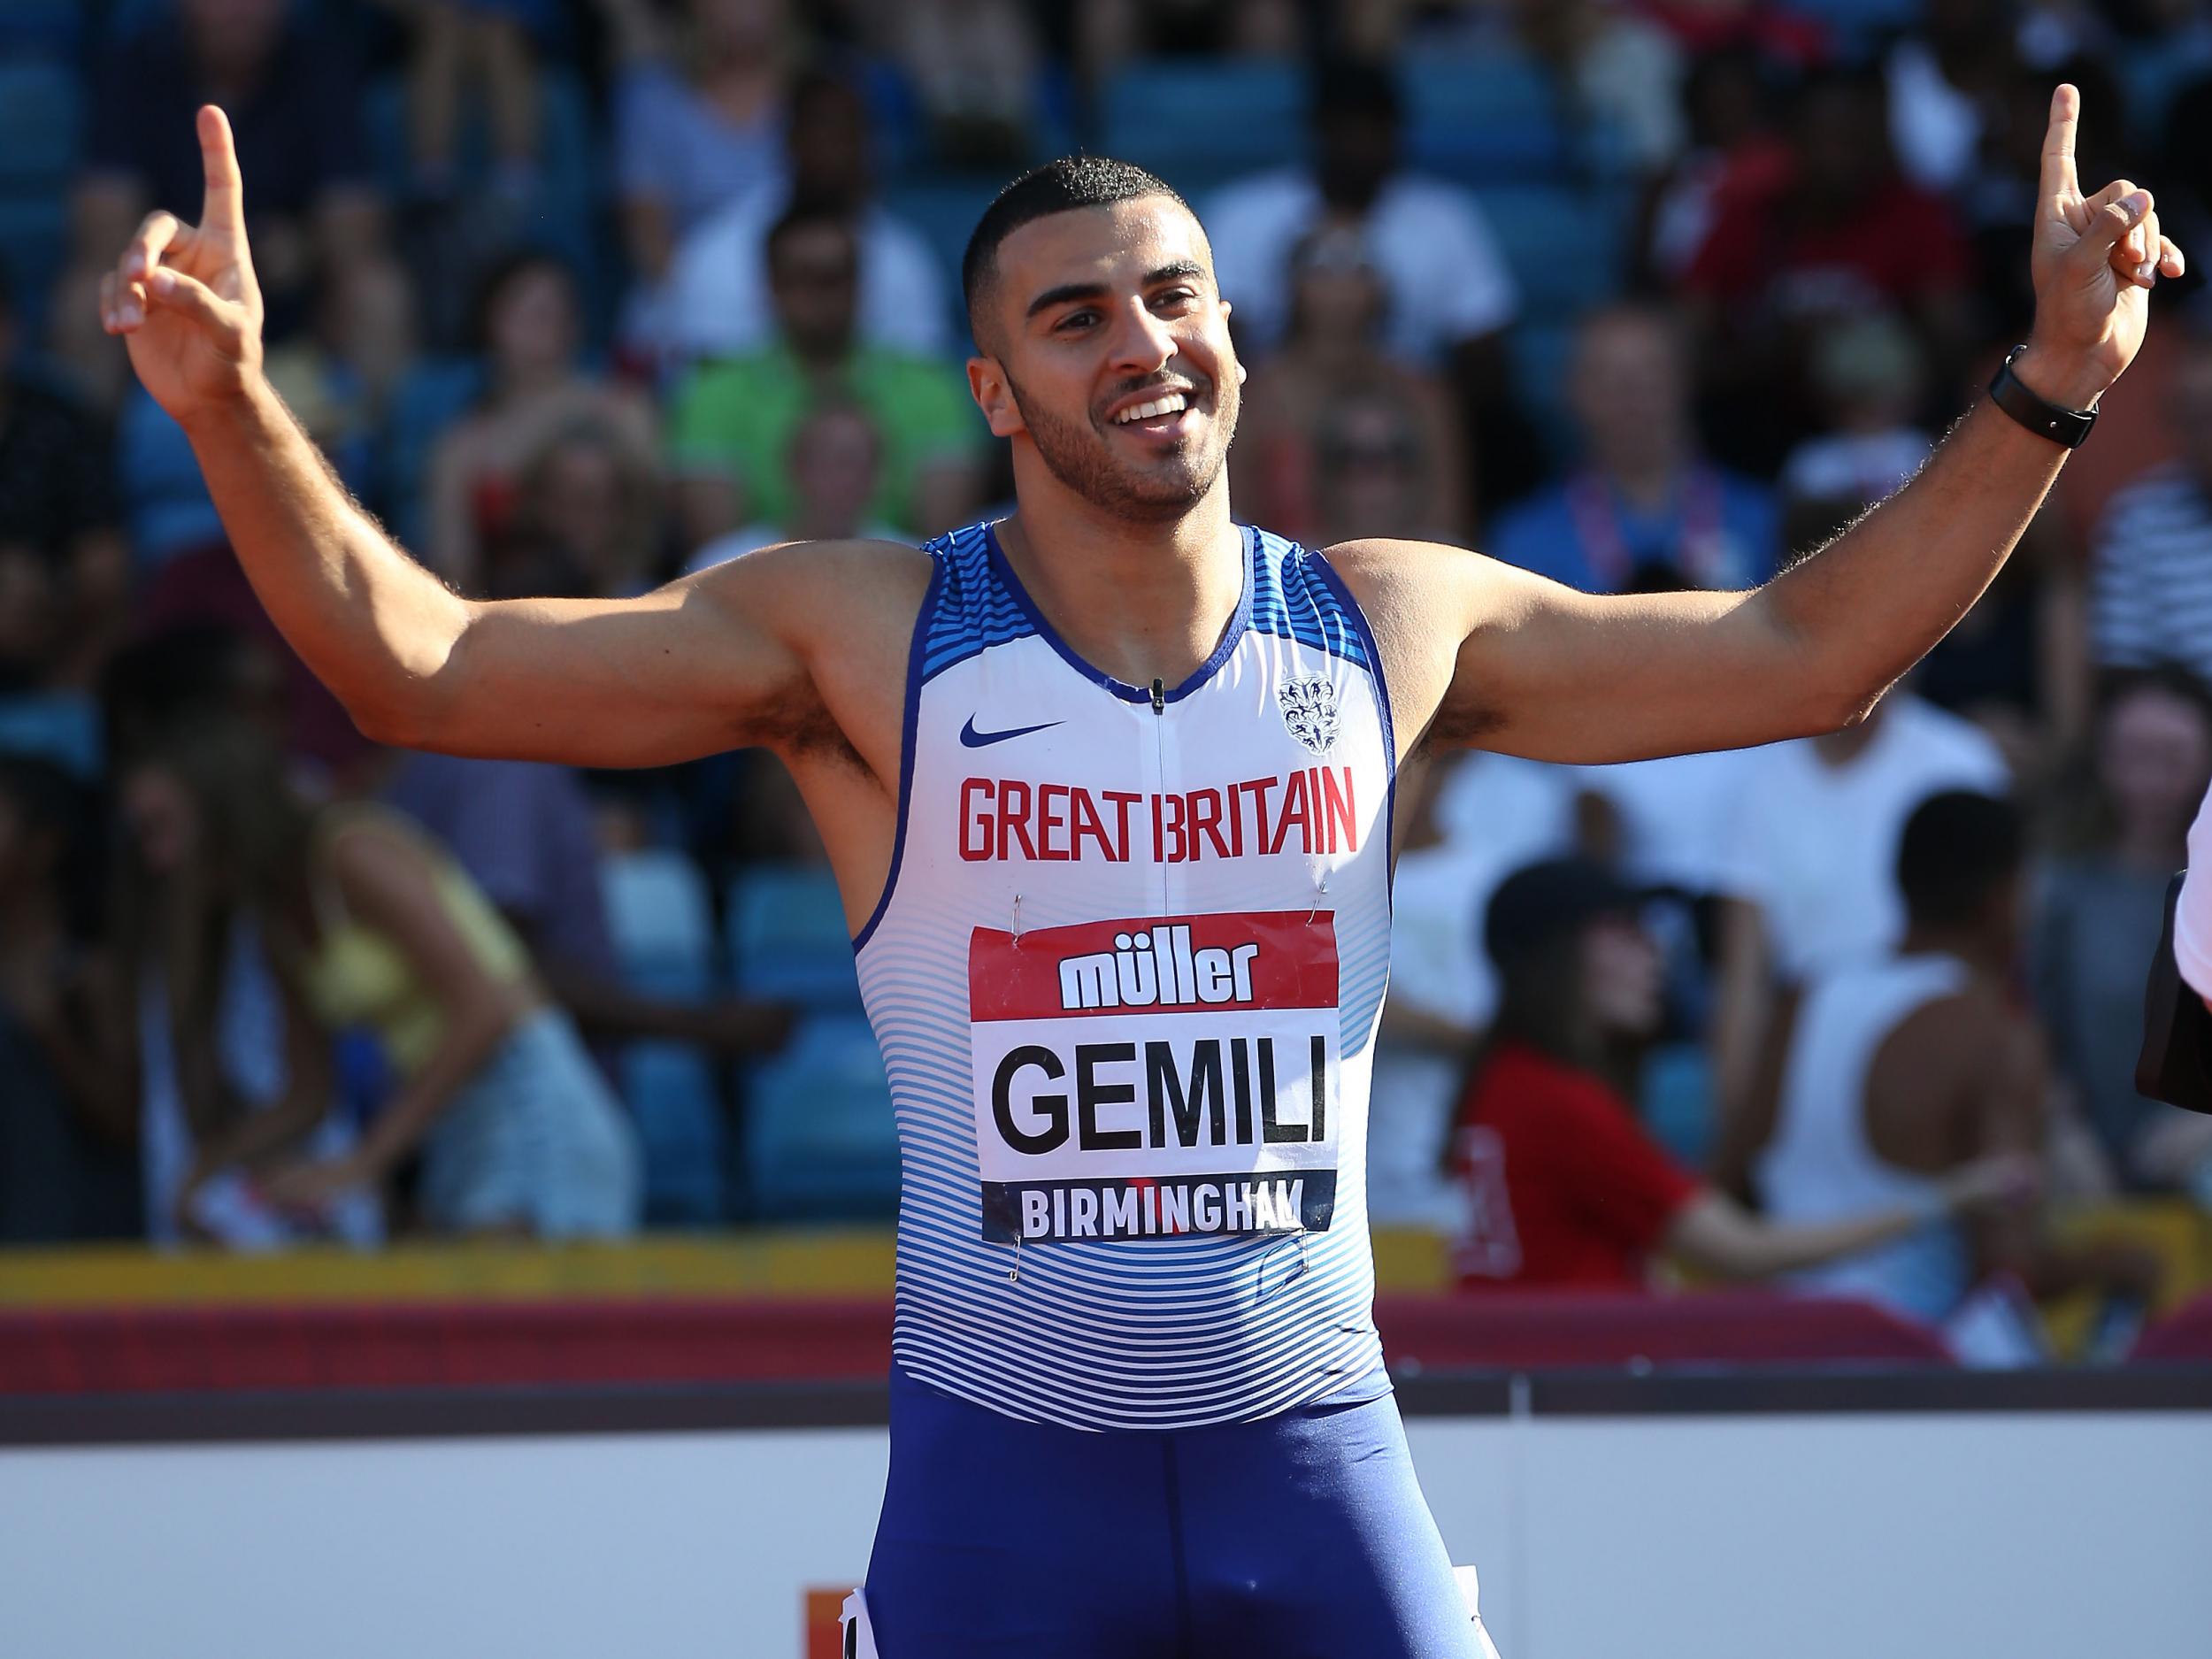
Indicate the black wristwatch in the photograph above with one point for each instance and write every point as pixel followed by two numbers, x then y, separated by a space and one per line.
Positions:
pixel 2067 426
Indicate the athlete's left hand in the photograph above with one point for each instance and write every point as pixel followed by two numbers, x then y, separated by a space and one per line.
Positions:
pixel 2096 259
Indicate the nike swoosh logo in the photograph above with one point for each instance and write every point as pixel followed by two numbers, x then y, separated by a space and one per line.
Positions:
pixel 974 739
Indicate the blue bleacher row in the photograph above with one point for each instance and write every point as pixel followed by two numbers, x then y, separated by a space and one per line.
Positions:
pixel 818 1141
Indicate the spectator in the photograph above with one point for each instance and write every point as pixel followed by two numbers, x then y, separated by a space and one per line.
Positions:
pixel 1901 1069
pixel 698 119
pixel 1374 475
pixel 2101 908
pixel 1449 294
pixel 1644 510
pixel 835 459
pixel 1562 1187
pixel 524 833
pixel 65 571
pixel 1332 353
pixel 733 419
pixel 211 1039
pixel 294 109
pixel 68 1134
pixel 1868 381
pixel 717 301
pixel 484 46
pixel 1811 857
pixel 364 920
pixel 1466 821
pixel 1776 32
pixel 1109 33
pixel 975 66
pixel 1732 150
pixel 528 332
pixel 586 522
pixel 1946 79
pixel 1618 68
pixel 1838 232
pixel 2151 576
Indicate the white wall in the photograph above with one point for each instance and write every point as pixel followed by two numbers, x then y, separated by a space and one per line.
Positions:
pixel 1786 1537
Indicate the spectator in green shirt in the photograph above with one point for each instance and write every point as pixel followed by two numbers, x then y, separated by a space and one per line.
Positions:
pixel 733 418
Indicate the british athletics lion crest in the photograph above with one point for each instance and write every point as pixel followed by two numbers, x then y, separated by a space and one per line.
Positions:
pixel 1309 711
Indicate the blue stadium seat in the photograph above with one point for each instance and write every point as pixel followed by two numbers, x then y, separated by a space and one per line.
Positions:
pixel 663 929
pixel 166 503
pixel 1563 245
pixel 40 111
pixel 42 28
pixel 431 396
pixel 662 922
pixel 1540 349
pixel 1859 24
pixel 1198 124
pixel 821 1140
pixel 787 937
pixel 671 1090
pixel 60 726
pixel 34 247
pixel 1483 116
pixel 944 209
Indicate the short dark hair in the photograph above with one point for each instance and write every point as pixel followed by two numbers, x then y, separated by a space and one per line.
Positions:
pixel 1058 187
pixel 1958 847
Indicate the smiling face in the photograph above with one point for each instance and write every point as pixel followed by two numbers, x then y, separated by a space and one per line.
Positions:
pixel 1107 352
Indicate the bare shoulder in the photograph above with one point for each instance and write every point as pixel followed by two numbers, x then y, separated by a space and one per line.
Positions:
pixel 816 594
pixel 1973 1041
pixel 1424 600
pixel 844 612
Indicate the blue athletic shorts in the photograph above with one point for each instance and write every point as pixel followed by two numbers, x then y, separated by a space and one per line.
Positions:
pixel 1301 1536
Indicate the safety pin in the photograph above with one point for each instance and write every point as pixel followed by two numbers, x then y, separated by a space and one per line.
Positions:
pixel 1017 918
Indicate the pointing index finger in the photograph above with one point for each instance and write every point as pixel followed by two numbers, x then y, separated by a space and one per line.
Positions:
pixel 2058 144
pixel 223 206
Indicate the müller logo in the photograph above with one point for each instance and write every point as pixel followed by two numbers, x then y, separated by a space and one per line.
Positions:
pixel 1157 967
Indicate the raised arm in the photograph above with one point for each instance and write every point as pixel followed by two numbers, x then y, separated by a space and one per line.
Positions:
pixel 1507 660
pixel 714 661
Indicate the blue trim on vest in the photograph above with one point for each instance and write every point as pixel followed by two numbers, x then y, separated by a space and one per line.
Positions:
pixel 974 612
pixel 1333 579
pixel 1230 636
pixel 925 627
pixel 1297 597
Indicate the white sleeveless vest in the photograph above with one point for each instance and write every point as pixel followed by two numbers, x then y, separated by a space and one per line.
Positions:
pixel 1125 974
pixel 1820 1166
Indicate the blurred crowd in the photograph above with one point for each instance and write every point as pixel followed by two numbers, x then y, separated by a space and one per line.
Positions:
pixel 580 295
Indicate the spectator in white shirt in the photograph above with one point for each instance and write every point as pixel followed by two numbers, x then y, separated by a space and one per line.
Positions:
pixel 1810 863
pixel 716 301
pixel 1445 281
pixel 1449 294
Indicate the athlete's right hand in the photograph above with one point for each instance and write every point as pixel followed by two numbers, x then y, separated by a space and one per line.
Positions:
pixel 183 296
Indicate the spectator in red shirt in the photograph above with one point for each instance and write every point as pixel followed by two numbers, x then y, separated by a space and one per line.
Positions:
pixel 1834 234
pixel 1563 1187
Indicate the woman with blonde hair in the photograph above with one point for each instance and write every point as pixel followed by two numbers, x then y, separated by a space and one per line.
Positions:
pixel 367 922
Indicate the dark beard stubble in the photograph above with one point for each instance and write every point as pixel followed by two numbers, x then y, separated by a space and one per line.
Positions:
pixel 1075 453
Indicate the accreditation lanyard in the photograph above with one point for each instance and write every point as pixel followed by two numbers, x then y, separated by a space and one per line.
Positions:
pixel 1701 541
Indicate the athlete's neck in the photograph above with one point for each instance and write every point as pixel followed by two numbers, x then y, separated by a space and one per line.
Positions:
pixel 1140 602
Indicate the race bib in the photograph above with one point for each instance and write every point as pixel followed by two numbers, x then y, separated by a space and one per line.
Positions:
pixel 1156 1076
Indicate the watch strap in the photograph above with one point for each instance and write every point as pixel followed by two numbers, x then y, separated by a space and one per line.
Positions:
pixel 2067 426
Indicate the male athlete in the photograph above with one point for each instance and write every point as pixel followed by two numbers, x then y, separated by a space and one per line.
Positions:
pixel 1107 789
